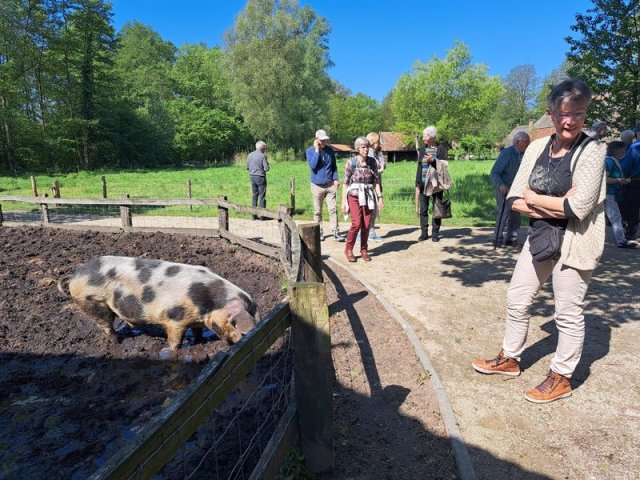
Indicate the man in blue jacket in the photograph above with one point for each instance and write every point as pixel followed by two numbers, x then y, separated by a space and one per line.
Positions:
pixel 631 191
pixel 324 182
pixel 502 175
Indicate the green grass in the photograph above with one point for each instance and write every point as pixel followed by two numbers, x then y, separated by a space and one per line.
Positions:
pixel 472 195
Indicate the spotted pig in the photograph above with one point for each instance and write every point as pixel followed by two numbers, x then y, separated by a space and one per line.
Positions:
pixel 153 292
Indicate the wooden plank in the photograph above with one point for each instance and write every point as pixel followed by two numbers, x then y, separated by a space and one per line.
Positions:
pixel 269 251
pixel 203 232
pixel 281 442
pixel 311 252
pixel 171 429
pixel 314 373
pixel 260 212
pixel 159 202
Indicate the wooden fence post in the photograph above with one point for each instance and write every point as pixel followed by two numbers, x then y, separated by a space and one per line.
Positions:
pixel 292 195
pixel 311 252
pixel 55 187
pixel 314 373
pixel 125 215
pixel 34 187
pixel 44 210
pixel 189 193
pixel 223 216
pixel 104 187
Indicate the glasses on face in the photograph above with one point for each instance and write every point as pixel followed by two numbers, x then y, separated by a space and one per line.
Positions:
pixel 575 116
pixel 364 146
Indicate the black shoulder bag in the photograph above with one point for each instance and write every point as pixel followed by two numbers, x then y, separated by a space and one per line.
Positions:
pixel 546 242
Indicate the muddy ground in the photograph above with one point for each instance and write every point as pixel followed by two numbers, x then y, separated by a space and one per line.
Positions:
pixel 69 399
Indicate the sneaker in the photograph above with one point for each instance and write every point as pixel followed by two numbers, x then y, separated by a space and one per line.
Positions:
pixel 374 236
pixel 628 244
pixel 338 238
pixel 501 365
pixel 554 387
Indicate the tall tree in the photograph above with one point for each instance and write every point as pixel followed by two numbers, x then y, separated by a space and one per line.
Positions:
pixel 453 93
pixel 520 88
pixel 547 84
pixel 606 54
pixel 351 116
pixel 277 59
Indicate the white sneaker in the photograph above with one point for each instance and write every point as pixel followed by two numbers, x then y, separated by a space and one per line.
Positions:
pixel 374 236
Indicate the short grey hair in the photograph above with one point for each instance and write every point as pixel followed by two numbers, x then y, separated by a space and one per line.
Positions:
pixel 260 145
pixel 598 125
pixel 627 136
pixel 571 90
pixel 359 142
pixel 520 136
pixel 430 131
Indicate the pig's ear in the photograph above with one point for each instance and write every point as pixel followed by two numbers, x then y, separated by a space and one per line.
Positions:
pixel 243 321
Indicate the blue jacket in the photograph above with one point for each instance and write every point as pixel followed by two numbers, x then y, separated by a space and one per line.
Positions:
pixel 324 169
pixel 506 167
pixel 630 163
pixel 612 172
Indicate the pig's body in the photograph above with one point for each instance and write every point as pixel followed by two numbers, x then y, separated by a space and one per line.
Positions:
pixel 154 292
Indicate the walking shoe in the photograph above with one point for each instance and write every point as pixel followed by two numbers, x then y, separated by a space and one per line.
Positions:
pixel 337 237
pixel 501 365
pixel 554 387
pixel 374 236
pixel 628 244
pixel 349 255
pixel 435 237
pixel 321 235
pixel 423 236
pixel 365 256
pixel 510 243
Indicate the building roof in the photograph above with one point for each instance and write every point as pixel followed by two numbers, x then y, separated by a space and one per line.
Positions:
pixel 396 142
pixel 340 147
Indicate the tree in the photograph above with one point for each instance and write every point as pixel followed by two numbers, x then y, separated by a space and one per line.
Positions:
pixel 351 116
pixel 606 54
pixel 454 94
pixel 550 81
pixel 277 59
pixel 521 85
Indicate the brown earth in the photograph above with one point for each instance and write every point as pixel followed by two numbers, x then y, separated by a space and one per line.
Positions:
pixel 453 295
pixel 69 398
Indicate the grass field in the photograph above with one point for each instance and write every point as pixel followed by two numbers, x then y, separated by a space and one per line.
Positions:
pixel 472 195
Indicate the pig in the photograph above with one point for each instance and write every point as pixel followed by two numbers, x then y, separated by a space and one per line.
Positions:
pixel 153 292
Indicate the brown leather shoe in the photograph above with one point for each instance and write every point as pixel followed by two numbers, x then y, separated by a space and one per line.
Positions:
pixel 365 256
pixel 349 255
pixel 554 387
pixel 501 365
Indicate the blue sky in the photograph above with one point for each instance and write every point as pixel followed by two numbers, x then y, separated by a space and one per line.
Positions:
pixel 373 43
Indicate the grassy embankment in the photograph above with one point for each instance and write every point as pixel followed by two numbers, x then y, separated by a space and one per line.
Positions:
pixel 472 195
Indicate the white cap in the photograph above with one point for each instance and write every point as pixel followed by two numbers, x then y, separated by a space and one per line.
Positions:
pixel 322 135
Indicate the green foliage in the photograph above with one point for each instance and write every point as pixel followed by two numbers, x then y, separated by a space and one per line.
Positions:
pixel 277 59
pixel 555 77
pixel 452 93
pixel 605 54
pixel 351 116
pixel 294 467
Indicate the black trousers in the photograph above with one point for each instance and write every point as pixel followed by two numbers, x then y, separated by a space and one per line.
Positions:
pixel 258 191
pixel 424 212
pixel 630 207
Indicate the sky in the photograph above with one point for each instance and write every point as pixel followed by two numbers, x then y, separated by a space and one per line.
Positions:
pixel 373 43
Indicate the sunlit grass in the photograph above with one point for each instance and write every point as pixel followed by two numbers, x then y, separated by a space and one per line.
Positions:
pixel 472 195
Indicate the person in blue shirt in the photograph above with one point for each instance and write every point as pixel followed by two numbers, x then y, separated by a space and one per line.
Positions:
pixel 324 182
pixel 615 182
pixel 630 205
pixel 502 175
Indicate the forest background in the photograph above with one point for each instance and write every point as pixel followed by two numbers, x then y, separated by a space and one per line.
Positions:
pixel 77 95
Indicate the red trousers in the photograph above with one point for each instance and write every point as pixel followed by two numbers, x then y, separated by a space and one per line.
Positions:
pixel 361 217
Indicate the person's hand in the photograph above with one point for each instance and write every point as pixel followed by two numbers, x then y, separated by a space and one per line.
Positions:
pixel 380 204
pixel 625 181
pixel 504 189
pixel 345 207
pixel 530 197
pixel 316 145
pixel 336 184
pixel 417 189
pixel 570 193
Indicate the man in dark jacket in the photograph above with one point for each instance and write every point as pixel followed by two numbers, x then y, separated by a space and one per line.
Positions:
pixel 258 166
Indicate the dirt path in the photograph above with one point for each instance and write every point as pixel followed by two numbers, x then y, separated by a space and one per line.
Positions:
pixel 453 294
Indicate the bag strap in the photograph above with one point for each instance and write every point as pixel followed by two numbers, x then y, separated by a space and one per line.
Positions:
pixel 579 151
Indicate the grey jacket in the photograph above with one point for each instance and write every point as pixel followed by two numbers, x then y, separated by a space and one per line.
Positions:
pixel 506 167
pixel 257 163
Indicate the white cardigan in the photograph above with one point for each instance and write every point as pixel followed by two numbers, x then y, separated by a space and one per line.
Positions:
pixel 584 238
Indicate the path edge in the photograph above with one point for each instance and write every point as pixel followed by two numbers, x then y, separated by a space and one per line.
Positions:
pixel 460 452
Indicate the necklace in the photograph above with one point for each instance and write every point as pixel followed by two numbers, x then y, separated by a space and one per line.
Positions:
pixel 556 165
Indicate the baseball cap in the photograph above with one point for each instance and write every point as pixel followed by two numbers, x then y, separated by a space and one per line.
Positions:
pixel 322 135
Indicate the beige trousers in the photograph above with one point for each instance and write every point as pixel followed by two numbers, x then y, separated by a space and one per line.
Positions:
pixel 319 193
pixel 569 289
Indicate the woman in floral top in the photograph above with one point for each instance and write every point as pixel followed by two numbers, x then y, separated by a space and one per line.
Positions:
pixel 361 183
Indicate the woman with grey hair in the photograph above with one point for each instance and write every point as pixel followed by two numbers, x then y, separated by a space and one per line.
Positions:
pixel 561 187
pixel 361 189
pixel 427 154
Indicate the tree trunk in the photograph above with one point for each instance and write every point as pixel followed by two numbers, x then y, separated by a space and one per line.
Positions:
pixel 9 160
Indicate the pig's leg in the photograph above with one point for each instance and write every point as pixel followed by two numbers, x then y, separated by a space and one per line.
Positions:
pixel 197 333
pixel 102 315
pixel 175 334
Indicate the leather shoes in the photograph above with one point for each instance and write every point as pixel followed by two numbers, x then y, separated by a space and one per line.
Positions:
pixel 365 256
pixel 350 256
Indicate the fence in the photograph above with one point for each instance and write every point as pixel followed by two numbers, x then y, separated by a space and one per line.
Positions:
pixel 167 444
